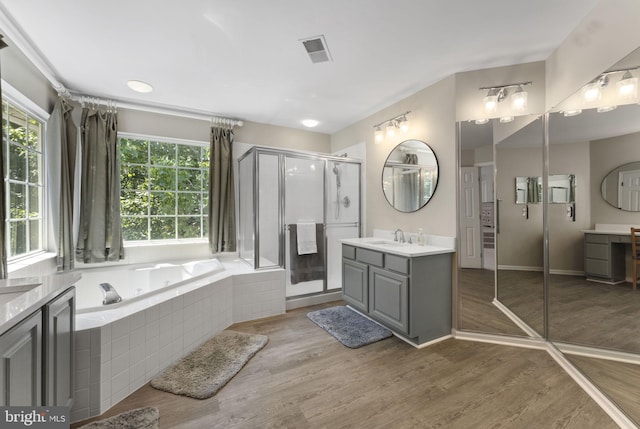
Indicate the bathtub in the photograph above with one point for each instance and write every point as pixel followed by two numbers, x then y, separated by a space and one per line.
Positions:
pixel 167 310
pixel 137 282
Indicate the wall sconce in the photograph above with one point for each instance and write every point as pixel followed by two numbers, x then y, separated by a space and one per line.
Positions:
pixel 497 94
pixel 628 85
pixel 394 124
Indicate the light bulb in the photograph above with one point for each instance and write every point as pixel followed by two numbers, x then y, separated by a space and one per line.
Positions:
pixel 591 92
pixel 519 100
pixel 490 103
pixel 404 124
pixel 628 86
pixel 391 129
pixel 378 135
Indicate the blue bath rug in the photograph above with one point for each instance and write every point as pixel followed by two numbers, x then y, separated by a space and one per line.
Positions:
pixel 350 328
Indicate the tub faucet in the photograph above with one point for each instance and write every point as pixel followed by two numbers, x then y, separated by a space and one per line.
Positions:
pixel 110 294
pixel 395 235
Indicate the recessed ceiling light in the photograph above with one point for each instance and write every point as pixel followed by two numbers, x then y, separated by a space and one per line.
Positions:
pixel 310 123
pixel 139 86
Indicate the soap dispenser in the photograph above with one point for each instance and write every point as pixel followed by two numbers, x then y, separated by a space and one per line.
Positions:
pixel 420 237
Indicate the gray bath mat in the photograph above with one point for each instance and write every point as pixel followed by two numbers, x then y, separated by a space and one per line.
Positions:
pixel 349 327
pixel 206 370
pixel 140 418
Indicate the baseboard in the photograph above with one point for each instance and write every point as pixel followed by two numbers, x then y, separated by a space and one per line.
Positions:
pixel 519 268
pixel 306 301
pixel 504 340
pixel 422 345
pixel 613 355
pixel 517 320
pixel 567 272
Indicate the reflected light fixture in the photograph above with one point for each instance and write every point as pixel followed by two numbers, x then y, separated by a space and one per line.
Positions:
pixel 482 121
pixel 496 94
pixel 506 119
pixel 394 124
pixel 593 91
pixel 603 109
pixel 569 113
pixel 628 85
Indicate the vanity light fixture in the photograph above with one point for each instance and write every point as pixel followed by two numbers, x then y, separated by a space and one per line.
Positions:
pixel 496 94
pixel 506 119
pixel 394 124
pixel 482 121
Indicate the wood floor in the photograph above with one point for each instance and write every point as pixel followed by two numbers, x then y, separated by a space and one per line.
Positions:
pixel 304 378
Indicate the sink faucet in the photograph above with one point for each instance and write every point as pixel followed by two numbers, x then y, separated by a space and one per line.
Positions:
pixel 395 235
pixel 110 294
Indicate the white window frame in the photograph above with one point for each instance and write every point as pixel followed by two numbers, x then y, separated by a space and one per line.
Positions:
pixel 12 95
pixel 162 139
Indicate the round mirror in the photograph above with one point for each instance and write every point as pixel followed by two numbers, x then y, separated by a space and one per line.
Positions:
pixel 410 176
pixel 621 187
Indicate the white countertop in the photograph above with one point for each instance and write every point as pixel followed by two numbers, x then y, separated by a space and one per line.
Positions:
pixel 402 249
pixel 611 229
pixel 20 297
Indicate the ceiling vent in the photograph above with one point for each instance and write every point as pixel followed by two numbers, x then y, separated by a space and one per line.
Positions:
pixel 317 49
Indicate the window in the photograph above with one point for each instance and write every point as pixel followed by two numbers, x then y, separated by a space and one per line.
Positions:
pixel 22 136
pixel 163 189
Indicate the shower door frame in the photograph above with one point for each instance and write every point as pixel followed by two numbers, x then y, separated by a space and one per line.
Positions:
pixel 282 154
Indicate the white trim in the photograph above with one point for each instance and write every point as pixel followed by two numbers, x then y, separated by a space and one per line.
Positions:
pixel 163 139
pixel 519 268
pixel 422 345
pixel 306 301
pixel 612 355
pixel 567 272
pixel 16 97
pixel 505 340
pixel 515 319
pixel 483 164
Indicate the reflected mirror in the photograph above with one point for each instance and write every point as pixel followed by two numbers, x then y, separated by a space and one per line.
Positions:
pixel 591 303
pixel 528 190
pixel 410 176
pixel 621 187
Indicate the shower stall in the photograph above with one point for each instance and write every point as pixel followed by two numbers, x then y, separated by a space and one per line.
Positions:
pixel 294 207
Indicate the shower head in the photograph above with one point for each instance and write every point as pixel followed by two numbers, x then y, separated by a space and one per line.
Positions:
pixel 336 171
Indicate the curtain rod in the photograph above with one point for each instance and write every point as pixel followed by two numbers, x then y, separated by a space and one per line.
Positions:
pixel 14 33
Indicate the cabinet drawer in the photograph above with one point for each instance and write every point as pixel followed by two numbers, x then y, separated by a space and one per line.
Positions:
pixel 369 257
pixel 348 252
pixel 596 267
pixel 396 263
pixel 596 238
pixel 597 251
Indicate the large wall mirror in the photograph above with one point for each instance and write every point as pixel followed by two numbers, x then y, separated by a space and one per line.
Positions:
pixel 598 141
pixel 410 176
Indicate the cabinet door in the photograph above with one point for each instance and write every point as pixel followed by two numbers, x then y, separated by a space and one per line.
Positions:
pixel 355 287
pixel 389 299
pixel 20 363
pixel 59 349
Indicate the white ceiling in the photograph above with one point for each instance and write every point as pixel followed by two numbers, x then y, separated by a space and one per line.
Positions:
pixel 243 59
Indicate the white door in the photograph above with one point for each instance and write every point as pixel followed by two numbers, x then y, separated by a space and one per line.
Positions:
pixel 470 232
pixel 629 190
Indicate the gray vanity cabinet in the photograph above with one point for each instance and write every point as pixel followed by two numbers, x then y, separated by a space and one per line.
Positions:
pixel 21 363
pixel 409 295
pixel 59 319
pixel 36 356
pixel 604 257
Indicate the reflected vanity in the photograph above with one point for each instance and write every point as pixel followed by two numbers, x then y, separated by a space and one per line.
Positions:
pixel 410 176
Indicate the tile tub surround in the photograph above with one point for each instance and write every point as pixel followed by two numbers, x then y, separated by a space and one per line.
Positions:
pixel 117 355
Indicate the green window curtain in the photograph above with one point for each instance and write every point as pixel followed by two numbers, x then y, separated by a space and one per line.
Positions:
pixel 100 234
pixel 62 135
pixel 222 220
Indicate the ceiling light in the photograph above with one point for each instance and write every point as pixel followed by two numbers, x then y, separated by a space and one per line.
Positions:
pixel 392 125
pixel 139 86
pixel 519 100
pixel 628 85
pixel 310 123
pixel 603 109
pixel 482 121
pixel 506 119
pixel 574 112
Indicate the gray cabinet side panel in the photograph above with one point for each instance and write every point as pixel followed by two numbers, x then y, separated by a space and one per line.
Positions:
pixel 430 297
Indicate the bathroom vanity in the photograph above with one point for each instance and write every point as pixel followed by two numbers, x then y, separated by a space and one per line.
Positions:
pixel 36 340
pixel 405 287
pixel 604 252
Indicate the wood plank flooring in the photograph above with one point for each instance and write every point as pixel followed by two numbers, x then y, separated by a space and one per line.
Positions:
pixel 304 378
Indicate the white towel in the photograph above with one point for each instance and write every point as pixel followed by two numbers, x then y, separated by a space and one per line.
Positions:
pixel 307 238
